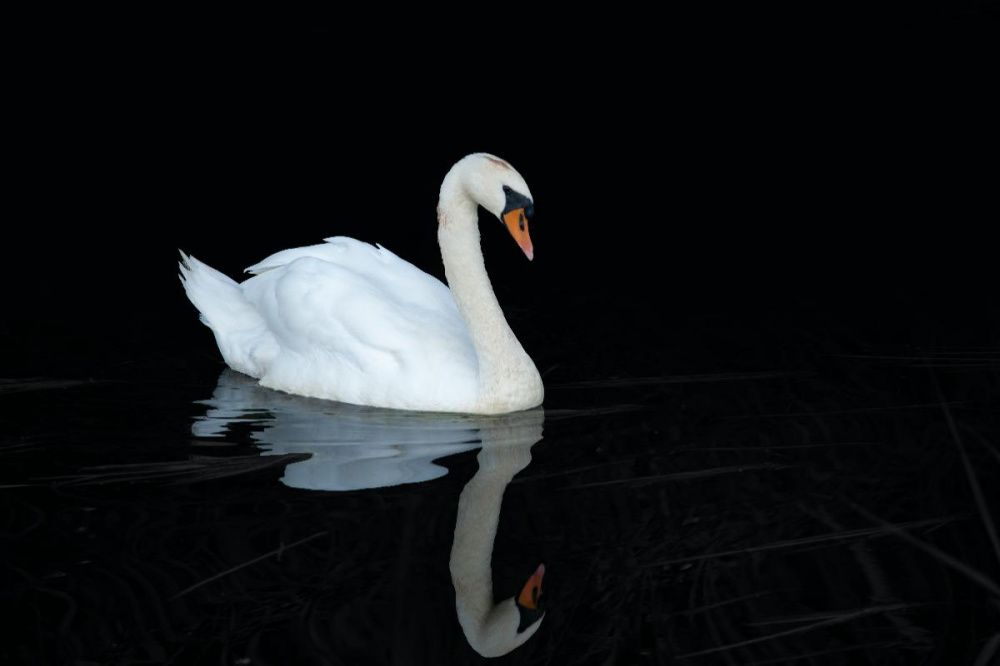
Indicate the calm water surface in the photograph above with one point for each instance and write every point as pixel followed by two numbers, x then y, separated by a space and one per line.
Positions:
pixel 841 513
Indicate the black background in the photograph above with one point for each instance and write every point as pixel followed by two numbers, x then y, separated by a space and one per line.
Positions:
pixel 696 167
pixel 715 195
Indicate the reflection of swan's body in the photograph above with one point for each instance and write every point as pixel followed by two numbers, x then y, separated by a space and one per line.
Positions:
pixel 350 322
pixel 493 629
pixel 351 447
pixel 355 447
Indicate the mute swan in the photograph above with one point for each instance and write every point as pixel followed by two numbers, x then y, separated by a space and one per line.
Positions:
pixel 493 629
pixel 353 322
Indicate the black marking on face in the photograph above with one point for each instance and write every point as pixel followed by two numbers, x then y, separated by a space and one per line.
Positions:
pixel 529 616
pixel 517 200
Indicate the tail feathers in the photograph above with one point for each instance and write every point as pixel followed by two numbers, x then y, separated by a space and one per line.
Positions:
pixel 241 333
pixel 216 295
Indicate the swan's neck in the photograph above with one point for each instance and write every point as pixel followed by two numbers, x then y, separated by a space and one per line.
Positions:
pixel 471 566
pixel 491 629
pixel 508 379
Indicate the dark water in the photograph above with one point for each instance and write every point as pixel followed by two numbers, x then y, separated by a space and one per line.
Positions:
pixel 793 502
pixel 763 302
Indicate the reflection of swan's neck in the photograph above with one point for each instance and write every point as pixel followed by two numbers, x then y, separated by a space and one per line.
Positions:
pixel 490 629
pixel 508 379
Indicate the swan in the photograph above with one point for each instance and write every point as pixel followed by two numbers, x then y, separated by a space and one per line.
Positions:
pixel 352 322
pixel 493 629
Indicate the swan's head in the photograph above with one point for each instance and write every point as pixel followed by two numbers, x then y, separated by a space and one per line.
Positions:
pixel 509 624
pixel 496 186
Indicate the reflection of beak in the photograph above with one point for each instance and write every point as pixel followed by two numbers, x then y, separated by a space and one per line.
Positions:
pixel 532 589
pixel 517 225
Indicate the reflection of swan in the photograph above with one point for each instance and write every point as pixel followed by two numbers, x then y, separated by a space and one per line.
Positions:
pixel 350 322
pixel 355 447
pixel 493 629
pixel 351 447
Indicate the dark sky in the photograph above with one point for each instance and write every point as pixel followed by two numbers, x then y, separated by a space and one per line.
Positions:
pixel 683 181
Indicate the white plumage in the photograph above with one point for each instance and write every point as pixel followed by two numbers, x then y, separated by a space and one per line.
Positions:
pixel 348 321
pixel 343 321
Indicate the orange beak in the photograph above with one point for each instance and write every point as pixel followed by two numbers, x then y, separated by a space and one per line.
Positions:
pixel 532 589
pixel 517 225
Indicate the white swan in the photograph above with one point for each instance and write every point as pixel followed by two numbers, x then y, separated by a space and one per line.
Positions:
pixel 493 629
pixel 351 322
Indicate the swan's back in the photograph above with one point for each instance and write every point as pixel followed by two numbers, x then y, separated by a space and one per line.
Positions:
pixel 355 323
pixel 375 264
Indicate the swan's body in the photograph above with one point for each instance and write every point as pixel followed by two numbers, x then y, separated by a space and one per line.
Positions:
pixel 351 322
pixel 493 629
